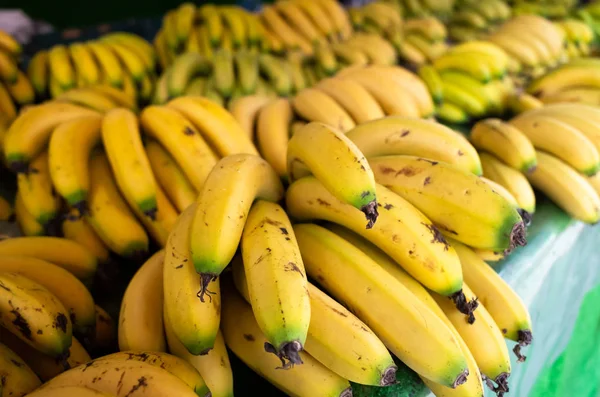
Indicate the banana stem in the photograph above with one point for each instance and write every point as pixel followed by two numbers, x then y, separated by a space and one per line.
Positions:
pixel 205 279
pixel 288 351
pixel 461 379
pixel 464 306
pixel 501 382
pixel 389 376
pixel 518 237
pixel 371 213
pixel 524 339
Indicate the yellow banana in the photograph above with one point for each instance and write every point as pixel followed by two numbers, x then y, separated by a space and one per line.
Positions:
pixel 166 216
pixel 277 73
pixel 570 75
pixel 61 67
pixel 272 134
pixel 246 64
pixel 137 44
pixel 141 318
pixel 35 187
pixel 224 72
pixel 337 264
pixel 243 336
pixel 235 21
pixel 19 379
pixel 116 95
pixel 378 50
pixel 299 21
pixel 10 44
pixel 410 136
pixel 196 86
pixel 7 106
pixel 349 55
pixel 109 63
pixel 38 72
pixel 88 98
pixel 353 97
pixel 110 216
pixel 566 187
pixel 84 63
pixel 170 28
pixel 77 229
pixel 22 91
pixel 246 110
pixel 183 69
pixel 284 33
pixel 524 102
pixel 244 178
pixel 317 14
pixel 129 59
pixel 340 18
pixel 212 19
pixel 170 177
pixel 187 146
pixel 315 105
pixel 59 391
pixel 193 319
pixel 27 223
pixel 184 17
pixel 8 68
pixel 105 329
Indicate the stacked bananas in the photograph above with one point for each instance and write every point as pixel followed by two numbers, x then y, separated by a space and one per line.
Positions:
pixel 421 8
pixel 553 9
pixel 273 318
pixel 473 20
pixel 120 60
pixel 578 37
pixel 47 310
pixel 576 81
pixel 469 82
pixel 424 40
pixel 15 87
pixel 590 14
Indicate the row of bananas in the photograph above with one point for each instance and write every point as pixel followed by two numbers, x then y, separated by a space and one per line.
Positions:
pixel 547 9
pixel 473 20
pixel 15 88
pixel 423 40
pixel 578 35
pixel 121 60
pixel 422 8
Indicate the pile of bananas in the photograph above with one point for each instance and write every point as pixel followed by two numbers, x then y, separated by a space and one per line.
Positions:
pixel 15 87
pixel 424 40
pixel 421 8
pixel 578 37
pixel 121 60
pixel 473 20
pixel 590 13
pixel 575 81
pixel 553 9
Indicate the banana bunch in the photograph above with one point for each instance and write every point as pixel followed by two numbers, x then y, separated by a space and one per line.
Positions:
pixel 120 60
pixel 379 17
pixel 579 37
pixel 422 8
pixel 552 9
pixel 590 14
pixel 577 81
pixel 533 43
pixel 473 20
pixel 423 40
pixel 469 82
pixel 15 87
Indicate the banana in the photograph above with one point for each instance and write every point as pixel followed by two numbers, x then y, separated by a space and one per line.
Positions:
pixel 218 126
pixel 276 281
pixel 318 16
pixel 129 59
pixel 10 44
pixel 431 50
pixel 192 43
pixel 135 43
pixel 537 45
pixel 486 94
pixel 87 98
pixel 353 97
pixel 272 43
pixel 307 199
pixel 516 49
pixel 326 254
pixel 409 52
pixel 490 50
pixel 296 71
pixel 29 307
pixel 6 210
pixel 256 34
pixel 19 379
pixel 571 75
pixel 7 106
pixel 523 102
pixel 193 319
pixel 505 142
pixel 587 96
pixel 560 139
pixel 473 387
pixel 35 187
pixel 77 229
pixel 409 136
pixel 567 188
pixel 470 18
pixel 161 91
pixel 184 20
pixel 235 21
pixel 146 89
pixel 44 366
pixel 339 17
pixel 511 179
pixel 109 63
pixel 195 87
pixel 61 67
pixel 129 87
pixel 325 58
pixel 284 32
pixel 474 106
pixel 224 72
pixel 246 110
pixel 105 329
pixel 299 21
pixel 246 65
pixel 211 17
pixel 38 72
pixel 110 216
pixel 162 50
pixel 119 376
pixel 123 144
pixel 502 191
pixel 166 216
pixel 277 74
pixel 59 391
pixel 484 339
pixel 433 81
pixel 272 134
pixel 504 305
pixel 243 336
pixel 30 132
pixel 69 152
pixel 183 69
pixel 22 91
pixel 349 54
pixel 540 28
pixel 170 176
pixel 315 105
pixel 140 325
pixel 473 64
pixel 27 223
pixel 378 50
pixel 213 366
pixel 336 338
pixel 308 153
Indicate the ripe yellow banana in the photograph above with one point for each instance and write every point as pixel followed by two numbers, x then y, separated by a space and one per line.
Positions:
pixel 77 229
pixel 516 49
pixel 38 72
pixel 35 315
pixel 560 139
pixel 473 64
pixel 243 178
pixel 465 209
pixel 27 223
pixel 339 17
pixel 184 20
pixel 123 144
pixel 61 67
pixel 317 14
pixel 141 317
pixel 244 337
pixel 326 153
pixel 22 91
pixel 235 22
pixel 410 136
pixel 66 287
pixel 105 329
pixel 484 339
pixel 277 74
pixel 19 379
pixel 35 187
pixel 7 106
pixel 315 105
pixel 272 133
pixel 88 98
pixel 246 109
pixel 84 63
pixel 285 33
pixel 504 305
pixel 118 376
pixel 69 151
pixel 224 72
pixel 186 145
pixel 341 269
pixel 130 60
pixel 378 50
pixel 31 131
pixel 166 216
pixel 300 22
pixel 276 281
pixel 112 71
pixel 353 97
pixel 246 65
pixel 183 69
pixel 117 96
pixel 59 391
pixel 10 44
pixel 563 78
pixel 137 44
pixel 109 214
pixel 566 187
pixel 505 142
pixel 218 126
pixel 193 318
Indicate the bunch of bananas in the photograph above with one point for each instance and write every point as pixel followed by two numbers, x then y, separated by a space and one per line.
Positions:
pixel 469 82
pixel 590 14
pixel 473 20
pixel 578 37
pixel 421 8
pixel 121 60
pixel 379 17
pixel 553 9
pixel 15 87
pixel 423 40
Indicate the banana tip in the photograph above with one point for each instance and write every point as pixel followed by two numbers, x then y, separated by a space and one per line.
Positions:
pixel 502 384
pixel 526 216
pixel 289 351
pixel 518 236
pixel 460 379
pixel 371 213
pixel 525 337
pixel 389 376
pixel 464 306
pixel 346 393
pixel 19 167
